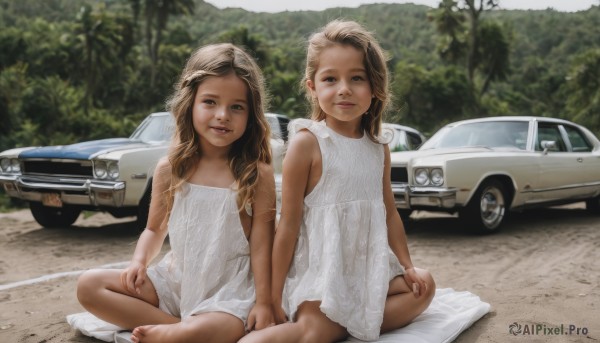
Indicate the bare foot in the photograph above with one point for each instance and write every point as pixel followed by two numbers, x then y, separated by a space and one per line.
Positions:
pixel 154 333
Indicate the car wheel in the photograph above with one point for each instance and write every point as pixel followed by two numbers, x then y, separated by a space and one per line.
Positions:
pixel 143 209
pixel 593 205
pixel 52 217
pixel 486 211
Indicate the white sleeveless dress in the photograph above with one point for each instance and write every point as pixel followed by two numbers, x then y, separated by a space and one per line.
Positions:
pixel 342 255
pixel 208 267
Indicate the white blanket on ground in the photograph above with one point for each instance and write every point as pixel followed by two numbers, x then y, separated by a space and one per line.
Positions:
pixel 449 314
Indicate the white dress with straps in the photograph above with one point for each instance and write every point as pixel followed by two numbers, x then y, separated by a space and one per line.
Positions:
pixel 208 267
pixel 342 256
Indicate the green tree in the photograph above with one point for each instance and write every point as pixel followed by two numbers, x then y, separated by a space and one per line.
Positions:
pixel 493 54
pixel 482 46
pixel 583 90
pixel 428 99
pixel 156 14
pixel 104 39
pixel 253 43
pixel 448 20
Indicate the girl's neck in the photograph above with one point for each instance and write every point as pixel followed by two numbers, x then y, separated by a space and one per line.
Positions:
pixel 211 152
pixel 212 171
pixel 350 129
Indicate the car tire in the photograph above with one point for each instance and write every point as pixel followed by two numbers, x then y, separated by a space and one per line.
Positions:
pixel 143 209
pixel 593 205
pixel 486 211
pixel 52 217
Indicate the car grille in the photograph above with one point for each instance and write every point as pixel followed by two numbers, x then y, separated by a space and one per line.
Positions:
pixel 59 168
pixel 399 174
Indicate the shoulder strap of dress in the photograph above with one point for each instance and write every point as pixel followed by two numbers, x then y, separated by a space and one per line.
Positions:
pixel 317 128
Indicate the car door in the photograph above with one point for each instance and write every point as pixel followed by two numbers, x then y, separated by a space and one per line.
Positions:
pixel 559 167
pixel 587 174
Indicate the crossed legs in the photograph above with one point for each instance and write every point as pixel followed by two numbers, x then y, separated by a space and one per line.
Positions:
pixel 102 293
pixel 311 325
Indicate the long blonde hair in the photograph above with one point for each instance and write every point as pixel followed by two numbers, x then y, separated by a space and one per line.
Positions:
pixel 353 34
pixel 246 152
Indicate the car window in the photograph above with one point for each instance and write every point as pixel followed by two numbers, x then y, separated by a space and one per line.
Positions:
pixel 413 140
pixel 492 134
pixel 549 132
pixel 154 129
pixel 578 141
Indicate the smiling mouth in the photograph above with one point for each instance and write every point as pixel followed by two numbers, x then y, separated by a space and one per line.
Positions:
pixel 220 129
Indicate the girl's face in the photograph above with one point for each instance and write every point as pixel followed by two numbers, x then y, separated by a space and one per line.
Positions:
pixel 341 84
pixel 220 111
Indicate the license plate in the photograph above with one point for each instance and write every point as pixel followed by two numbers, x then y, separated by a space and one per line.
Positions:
pixel 51 200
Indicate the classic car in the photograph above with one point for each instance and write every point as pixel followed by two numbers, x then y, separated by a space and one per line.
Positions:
pixel 112 175
pixel 481 168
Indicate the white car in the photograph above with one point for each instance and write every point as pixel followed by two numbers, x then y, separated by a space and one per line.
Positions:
pixel 112 175
pixel 483 167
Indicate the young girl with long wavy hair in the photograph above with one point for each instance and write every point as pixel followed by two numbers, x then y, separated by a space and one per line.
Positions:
pixel 341 264
pixel 215 197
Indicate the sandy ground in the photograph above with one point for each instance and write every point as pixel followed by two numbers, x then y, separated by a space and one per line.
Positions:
pixel 543 269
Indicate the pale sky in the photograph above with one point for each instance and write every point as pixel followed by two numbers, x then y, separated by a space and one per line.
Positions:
pixel 318 5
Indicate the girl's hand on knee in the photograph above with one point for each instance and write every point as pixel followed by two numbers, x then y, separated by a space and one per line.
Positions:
pixel 260 317
pixel 133 277
pixel 414 281
pixel 280 316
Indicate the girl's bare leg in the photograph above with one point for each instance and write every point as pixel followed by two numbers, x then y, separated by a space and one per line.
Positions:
pixel 217 327
pixel 401 306
pixel 102 293
pixel 311 326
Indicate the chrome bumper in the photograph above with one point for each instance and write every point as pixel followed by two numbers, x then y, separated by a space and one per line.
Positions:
pixel 71 190
pixel 407 197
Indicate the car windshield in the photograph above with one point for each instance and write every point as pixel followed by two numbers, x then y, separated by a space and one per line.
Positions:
pixel 154 129
pixel 492 134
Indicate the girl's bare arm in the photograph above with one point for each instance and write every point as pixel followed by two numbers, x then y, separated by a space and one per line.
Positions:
pixel 296 168
pixel 396 234
pixel 261 243
pixel 152 238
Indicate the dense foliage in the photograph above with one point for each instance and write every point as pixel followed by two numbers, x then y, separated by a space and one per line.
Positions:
pixel 73 70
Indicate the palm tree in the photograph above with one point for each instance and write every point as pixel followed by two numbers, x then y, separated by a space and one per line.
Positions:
pixel 483 46
pixel 156 14
pixel 473 13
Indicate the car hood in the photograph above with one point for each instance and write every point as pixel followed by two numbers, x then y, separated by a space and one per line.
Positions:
pixel 402 157
pixel 82 151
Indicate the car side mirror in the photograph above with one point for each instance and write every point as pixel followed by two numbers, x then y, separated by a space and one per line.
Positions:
pixel 547 145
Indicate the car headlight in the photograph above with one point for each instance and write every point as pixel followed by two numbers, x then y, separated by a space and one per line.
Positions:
pixel 106 170
pixel 421 176
pixel 10 165
pixel 113 170
pixel 5 165
pixel 437 177
pixel 100 169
